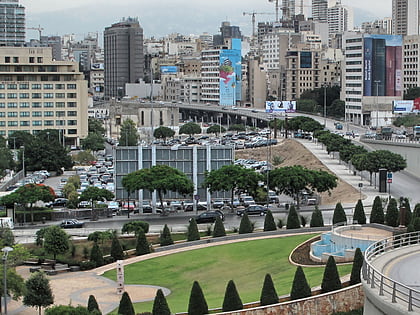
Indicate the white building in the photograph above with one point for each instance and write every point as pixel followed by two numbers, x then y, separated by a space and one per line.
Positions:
pixel 340 19
pixel 210 63
pixel 405 17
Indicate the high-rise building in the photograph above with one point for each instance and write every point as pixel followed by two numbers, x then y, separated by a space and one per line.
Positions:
pixel 12 23
pixel 339 18
pixel 124 58
pixel 405 17
pixel 227 32
pixel 319 10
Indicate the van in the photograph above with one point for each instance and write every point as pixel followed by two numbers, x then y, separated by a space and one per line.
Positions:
pixel 6 222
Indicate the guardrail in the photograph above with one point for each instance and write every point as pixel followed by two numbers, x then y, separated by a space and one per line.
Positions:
pixel 397 291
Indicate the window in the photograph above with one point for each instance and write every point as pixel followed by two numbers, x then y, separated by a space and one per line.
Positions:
pixel 37 123
pixel 36 105
pixel 11 95
pixel 36 95
pixel 11 105
pixel 2 114
pixel 60 86
pixel 72 131
pixel 2 95
pixel 23 95
pixel 12 114
pixel 71 86
pixel 12 86
pixel 7 59
pixel 71 95
pixel 2 86
pixel 71 122
pixel 48 122
pixel 25 114
pixel 60 113
pixel 2 105
pixel 2 124
pixel 36 114
pixel 49 114
pixel 71 113
pixel 15 59
pixel 39 59
pixel 48 95
pixel 60 122
pixel 12 123
pixel 71 104
pixel 60 104
pixel 24 123
pixel 24 86
pixel 60 95
pixel 48 86
pixel 48 104
pixel 36 86
pixel 24 105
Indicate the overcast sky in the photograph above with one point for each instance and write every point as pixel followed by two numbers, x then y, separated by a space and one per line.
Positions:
pixel 161 17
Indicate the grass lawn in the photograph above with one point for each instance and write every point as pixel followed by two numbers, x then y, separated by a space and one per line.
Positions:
pixel 245 262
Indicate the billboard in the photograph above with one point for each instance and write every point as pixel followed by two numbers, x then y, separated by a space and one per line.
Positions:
pixel 97 66
pixel 280 106
pixel 229 76
pixel 168 69
pixel 401 107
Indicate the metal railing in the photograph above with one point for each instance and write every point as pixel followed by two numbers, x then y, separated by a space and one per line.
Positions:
pixel 398 292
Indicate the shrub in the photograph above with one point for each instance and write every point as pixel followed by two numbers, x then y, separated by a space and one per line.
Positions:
pixel 245 226
pixel 377 214
pixel 280 223
pixel 133 226
pixel 219 228
pixel 93 304
pixel 116 249
pixel 96 255
pixel 142 245
pixel 331 280
pixel 316 219
pixel 391 217
pixel 166 237
pixel 405 203
pixel 269 223
pixel 303 220
pixel 339 214
pixel 416 224
pixel 70 310
pixel 160 306
pixel 268 293
pixel 292 219
pixel 357 267
pixel 359 215
pixel 87 265
pixel 231 301
pixel 126 306
pixel 197 304
pixel 300 286
pixel 193 234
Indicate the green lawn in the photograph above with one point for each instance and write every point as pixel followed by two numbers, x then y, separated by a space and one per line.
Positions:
pixel 245 262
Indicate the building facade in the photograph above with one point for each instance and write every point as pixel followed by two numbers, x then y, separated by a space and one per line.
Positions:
pixel 123 54
pixel 12 23
pixel 38 93
pixel 411 64
pixel 340 19
pixel 405 17
pixel 319 10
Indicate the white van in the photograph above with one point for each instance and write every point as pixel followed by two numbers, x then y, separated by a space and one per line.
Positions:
pixel 6 222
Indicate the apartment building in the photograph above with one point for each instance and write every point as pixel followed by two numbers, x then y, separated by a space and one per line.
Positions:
pixel 411 65
pixel 12 23
pixel 405 17
pixel 37 93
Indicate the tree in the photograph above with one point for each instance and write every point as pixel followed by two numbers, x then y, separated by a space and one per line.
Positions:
pixel 96 255
pixel 357 267
pixel 245 226
pixel 405 204
pixel 126 306
pixel 197 304
pixel 190 129
pixel 316 219
pixel 377 215
pixel 293 221
pixel 359 215
pixel 300 286
pixel 6 237
pixel 337 109
pixel 128 134
pixel 412 93
pixel 339 214
pixel 134 227
pixel 231 301
pixel 216 129
pixel 391 217
pixel 83 157
pixel 56 241
pixel 92 304
pixel 15 284
pixel 331 279
pixel 96 126
pixel 193 234
pixel 269 223
pixel 165 237
pixel 268 293
pixel 163 132
pixel 94 141
pixel 219 228
pixel 116 250
pixel 237 127
pixel 6 158
pixel 70 310
pixel 20 138
pixel 94 194
pixel 142 245
pixel 160 306
pixel 38 291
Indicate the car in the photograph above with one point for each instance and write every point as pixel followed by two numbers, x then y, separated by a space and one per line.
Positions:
pixel 147 208
pixel 114 206
pixel 209 217
pixel 200 207
pixel 73 223
pixel 84 204
pixel 247 201
pixel 218 203
pixel 59 202
pixel 252 210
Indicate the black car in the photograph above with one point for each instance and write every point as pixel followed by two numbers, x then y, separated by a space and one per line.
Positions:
pixel 253 209
pixel 73 223
pixel 209 216
pixel 59 202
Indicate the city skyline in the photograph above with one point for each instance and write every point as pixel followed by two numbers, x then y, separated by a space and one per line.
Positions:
pixel 83 16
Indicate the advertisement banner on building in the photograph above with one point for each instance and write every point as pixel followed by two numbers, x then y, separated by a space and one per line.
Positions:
pixel 416 105
pixel 402 107
pixel 228 77
pixel 280 106
pixel 168 69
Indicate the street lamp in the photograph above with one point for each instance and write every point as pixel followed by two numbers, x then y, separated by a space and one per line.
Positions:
pixel 5 251
pixel 23 160
pixel 325 105
pixel 377 102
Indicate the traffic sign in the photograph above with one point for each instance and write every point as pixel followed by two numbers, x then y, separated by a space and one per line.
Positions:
pixel 389 180
pixel 197 197
pixel 389 175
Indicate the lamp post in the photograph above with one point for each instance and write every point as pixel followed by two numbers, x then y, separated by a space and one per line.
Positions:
pixel 23 160
pixel 325 105
pixel 5 251
pixel 377 102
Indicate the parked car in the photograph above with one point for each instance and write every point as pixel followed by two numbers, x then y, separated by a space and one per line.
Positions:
pixel 114 206
pixel 200 207
pixel 247 201
pixel 59 202
pixel 73 223
pixel 209 216
pixel 147 208
pixel 218 203
pixel 84 204
pixel 252 210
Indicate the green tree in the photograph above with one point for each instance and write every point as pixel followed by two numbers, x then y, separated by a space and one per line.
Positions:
pixel 197 304
pixel 300 286
pixel 316 219
pixel 359 215
pixel 293 221
pixel 6 237
pixel 268 293
pixel 96 255
pixel 94 142
pixel 38 291
pixel 190 129
pixel 193 234
pixel 392 217
pixel 269 223
pixel 377 215
pixel 405 204
pixel 331 279
pixel 160 306
pixel 94 194
pixel 116 250
pixel 339 214
pixel 6 158
pixel 337 109
pixel 232 301
pixel 70 310
pixel 245 226
pixel 128 134
pixel 83 157
pixel 219 228
pixel 15 283
pixel 134 227
pixel 19 138
pixel 416 224
pixel 96 126
pixel 163 132
pixel 412 93
pixel 101 236
pixel 93 304
pixel 126 306
pixel 166 237
pixel 216 129
pixel 357 267
pixel 142 245
pixel 56 241
pixel 237 127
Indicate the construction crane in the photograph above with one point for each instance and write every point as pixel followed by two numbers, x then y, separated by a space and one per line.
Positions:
pixel 39 29
pixel 253 19
pixel 277 9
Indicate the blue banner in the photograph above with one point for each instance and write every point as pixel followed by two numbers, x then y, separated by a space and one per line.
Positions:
pixel 229 76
